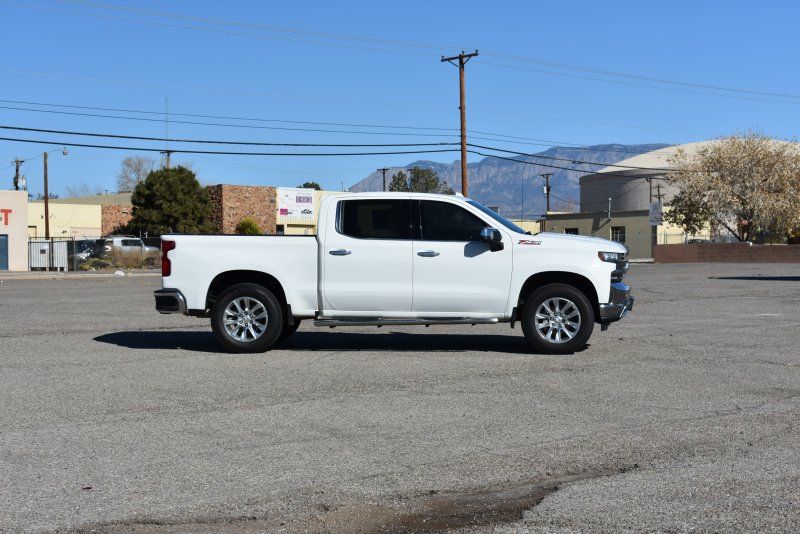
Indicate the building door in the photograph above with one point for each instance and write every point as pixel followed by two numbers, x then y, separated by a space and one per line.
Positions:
pixel 3 252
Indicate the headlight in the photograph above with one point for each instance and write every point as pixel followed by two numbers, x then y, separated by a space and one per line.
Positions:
pixel 611 256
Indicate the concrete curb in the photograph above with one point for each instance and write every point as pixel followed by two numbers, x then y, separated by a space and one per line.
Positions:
pixel 71 275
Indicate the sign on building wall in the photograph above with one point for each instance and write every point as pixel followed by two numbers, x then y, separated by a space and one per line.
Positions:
pixel 656 214
pixel 296 203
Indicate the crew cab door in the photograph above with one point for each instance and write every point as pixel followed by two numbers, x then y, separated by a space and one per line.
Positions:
pixel 453 270
pixel 366 257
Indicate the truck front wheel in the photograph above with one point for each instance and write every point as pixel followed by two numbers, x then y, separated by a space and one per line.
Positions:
pixel 557 319
pixel 247 318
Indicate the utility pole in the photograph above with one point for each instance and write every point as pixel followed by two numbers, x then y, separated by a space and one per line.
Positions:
pixel 384 171
pixel 546 177
pixel 46 201
pixel 166 154
pixel 17 163
pixel 462 60
pixel 659 194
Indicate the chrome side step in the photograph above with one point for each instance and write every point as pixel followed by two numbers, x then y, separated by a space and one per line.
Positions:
pixel 381 321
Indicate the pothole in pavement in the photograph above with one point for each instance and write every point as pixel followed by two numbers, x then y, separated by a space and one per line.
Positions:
pixel 431 512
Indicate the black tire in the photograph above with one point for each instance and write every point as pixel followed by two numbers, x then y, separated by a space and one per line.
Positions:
pixel 288 331
pixel 557 297
pixel 250 293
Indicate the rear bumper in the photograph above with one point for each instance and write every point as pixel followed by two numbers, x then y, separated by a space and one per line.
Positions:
pixel 170 301
pixel 620 302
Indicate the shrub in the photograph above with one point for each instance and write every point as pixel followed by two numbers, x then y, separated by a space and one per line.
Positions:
pixel 248 226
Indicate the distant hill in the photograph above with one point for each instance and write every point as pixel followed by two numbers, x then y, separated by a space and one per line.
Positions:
pixel 497 182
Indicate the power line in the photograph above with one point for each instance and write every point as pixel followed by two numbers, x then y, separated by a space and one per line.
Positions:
pixel 512 139
pixel 547 165
pixel 264 27
pixel 413 44
pixel 554 158
pixel 212 142
pixel 212 30
pixel 637 77
pixel 227 153
pixel 227 125
pixel 261 119
pixel 228 117
pixel 633 84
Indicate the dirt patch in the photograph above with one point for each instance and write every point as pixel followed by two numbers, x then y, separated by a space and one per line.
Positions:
pixel 431 512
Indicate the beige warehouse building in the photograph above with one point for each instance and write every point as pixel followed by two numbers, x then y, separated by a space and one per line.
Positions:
pixel 79 221
pixel 631 185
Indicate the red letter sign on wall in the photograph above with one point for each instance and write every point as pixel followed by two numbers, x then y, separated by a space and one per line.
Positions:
pixel 5 212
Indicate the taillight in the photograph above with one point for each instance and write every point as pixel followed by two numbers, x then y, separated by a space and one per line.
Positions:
pixel 166 264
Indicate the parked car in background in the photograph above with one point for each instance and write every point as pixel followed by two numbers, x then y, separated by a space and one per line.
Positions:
pixel 125 250
pixel 82 249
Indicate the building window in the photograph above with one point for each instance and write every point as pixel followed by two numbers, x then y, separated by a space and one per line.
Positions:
pixel 572 231
pixel 618 234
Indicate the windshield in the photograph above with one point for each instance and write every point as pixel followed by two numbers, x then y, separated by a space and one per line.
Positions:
pixel 497 217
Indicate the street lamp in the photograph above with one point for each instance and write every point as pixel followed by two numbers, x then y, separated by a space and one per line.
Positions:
pixel 47 194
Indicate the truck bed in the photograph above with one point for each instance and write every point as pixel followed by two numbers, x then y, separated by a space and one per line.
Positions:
pixel 198 259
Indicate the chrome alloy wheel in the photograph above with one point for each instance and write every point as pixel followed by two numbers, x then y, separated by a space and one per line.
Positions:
pixel 245 319
pixel 557 320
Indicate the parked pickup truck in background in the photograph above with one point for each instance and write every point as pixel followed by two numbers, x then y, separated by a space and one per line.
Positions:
pixel 397 259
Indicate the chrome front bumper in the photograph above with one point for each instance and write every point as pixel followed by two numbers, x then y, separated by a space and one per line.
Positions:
pixel 170 301
pixel 620 302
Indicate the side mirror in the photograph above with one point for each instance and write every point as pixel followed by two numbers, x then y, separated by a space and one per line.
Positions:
pixel 493 237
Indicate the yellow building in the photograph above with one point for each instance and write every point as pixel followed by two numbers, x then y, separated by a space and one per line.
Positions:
pixel 289 220
pixel 66 220
pixel 629 227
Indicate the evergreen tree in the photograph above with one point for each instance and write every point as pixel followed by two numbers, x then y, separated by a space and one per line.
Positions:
pixel 170 200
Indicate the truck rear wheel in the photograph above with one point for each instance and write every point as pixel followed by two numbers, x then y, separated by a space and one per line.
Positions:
pixel 247 318
pixel 557 319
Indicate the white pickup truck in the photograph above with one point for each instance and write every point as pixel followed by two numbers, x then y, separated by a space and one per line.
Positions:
pixel 397 259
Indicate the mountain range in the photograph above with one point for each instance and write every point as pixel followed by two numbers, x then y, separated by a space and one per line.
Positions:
pixel 517 189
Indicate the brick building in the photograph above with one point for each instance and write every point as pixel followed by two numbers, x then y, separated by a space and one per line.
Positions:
pixel 232 203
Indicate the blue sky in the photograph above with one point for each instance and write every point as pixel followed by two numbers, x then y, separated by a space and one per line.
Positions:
pixel 55 55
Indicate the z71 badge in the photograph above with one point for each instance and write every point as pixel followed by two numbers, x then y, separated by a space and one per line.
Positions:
pixel 528 242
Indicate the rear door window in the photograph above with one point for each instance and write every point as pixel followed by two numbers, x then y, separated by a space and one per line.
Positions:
pixel 375 218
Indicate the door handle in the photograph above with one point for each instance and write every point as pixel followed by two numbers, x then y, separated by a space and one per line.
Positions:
pixel 427 253
pixel 340 252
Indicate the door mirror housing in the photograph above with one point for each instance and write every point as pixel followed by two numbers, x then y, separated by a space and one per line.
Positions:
pixel 493 237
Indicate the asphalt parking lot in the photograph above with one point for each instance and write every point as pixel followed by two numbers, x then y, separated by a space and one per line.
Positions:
pixel 683 416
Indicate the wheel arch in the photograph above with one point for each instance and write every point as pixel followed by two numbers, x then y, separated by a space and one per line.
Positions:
pixel 226 279
pixel 578 281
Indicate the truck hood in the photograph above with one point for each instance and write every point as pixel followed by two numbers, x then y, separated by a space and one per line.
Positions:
pixel 598 243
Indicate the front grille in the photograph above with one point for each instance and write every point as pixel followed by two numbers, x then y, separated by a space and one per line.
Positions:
pixel 622 268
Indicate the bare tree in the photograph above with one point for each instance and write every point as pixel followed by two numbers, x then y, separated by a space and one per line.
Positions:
pixel 134 170
pixel 748 184
pixel 83 190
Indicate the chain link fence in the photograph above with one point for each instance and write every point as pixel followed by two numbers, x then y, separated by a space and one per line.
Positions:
pixel 93 254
